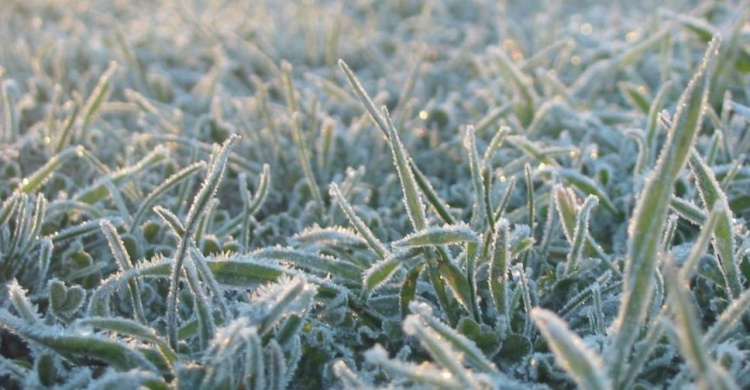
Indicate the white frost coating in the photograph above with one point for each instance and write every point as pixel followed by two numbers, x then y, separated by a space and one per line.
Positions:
pixel 420 308
pixel 410 325
pixel 376 354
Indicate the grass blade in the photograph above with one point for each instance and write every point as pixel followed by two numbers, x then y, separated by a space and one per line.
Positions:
pixel 122 258
pixel 580 233
pixel 197 208
pixel 444 235
pixel 412 199
pixel 651 211
pixel 582 364
pixel 723 241
pixel 375 245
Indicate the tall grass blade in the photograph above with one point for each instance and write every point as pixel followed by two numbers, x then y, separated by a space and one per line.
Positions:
pixel 197 208
pixel 723 241
pixel 122 258
pixel 580 233
pixel 650 214
pixel 412 199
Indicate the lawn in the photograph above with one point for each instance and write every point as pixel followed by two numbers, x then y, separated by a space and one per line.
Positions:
pixel 217 194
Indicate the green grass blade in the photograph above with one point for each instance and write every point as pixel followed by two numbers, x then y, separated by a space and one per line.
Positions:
pixel 443 235
pixel 162 188
pixel 365 98
pixel 687 210
pixel 728 319
pixel 691 265
pixel 650 214
pixel 582 364
pixel 690 340
pixel 580 233
pixel 380 251
pixel 122 258
pixel 439 348
pixel 459 342
pixel 379 273
pixel 500 257
pixel 427 375
pixel 480 201
pixel 408 291
pixel 41 175
pixel 197 208
pixel 439 205
pixel 97 97
pixel 412 199
pixel 75 346
pixel 723 241
pixel 652 124
pixel 127 327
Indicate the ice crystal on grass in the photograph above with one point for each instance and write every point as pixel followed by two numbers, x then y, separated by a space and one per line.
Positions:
pixel 520 194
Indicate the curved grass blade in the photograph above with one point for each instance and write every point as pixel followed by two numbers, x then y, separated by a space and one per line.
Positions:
pixel 133 329
pixel 335 235
pixel 74 346
pixel 11 123
pixel 18 297
pixel 500 257
pixel 97 97
pixel 208 277
pixel 168 184
pixel 99 190
pixel 321 264
pixel 458 284
pixel 41 175
pixel 171 220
